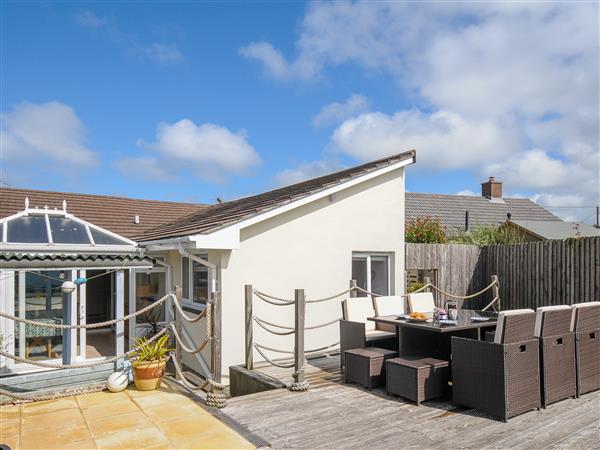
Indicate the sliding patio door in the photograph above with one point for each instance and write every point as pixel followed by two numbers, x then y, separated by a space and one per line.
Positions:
pixel 147 286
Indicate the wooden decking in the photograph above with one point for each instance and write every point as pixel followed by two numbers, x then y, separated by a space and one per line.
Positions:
pixel 334 415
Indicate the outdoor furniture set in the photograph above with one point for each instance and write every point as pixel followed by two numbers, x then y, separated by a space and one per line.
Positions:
pixel 504 364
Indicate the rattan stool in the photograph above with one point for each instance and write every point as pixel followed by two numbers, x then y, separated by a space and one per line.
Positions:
pixel 417 378
pixel 366 366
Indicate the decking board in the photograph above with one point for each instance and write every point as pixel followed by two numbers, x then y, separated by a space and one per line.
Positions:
pixel 335 415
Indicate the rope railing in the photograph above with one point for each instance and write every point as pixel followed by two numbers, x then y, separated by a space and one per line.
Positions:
pixel 272 299
pixel 91 325
pixel 314 327
pixel 320 349
pixel 331 297
pixel 265 326
pixel 281 365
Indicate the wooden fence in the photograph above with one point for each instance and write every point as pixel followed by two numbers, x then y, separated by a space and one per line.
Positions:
pixel 531 274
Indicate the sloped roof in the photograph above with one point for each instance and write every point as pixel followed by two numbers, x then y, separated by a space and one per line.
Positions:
pixel 64 260
pixel 224 214
pixel 552 229
pixel 113 213
pixel 451 210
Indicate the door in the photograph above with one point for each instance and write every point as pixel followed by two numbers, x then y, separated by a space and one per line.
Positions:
pixel 148 286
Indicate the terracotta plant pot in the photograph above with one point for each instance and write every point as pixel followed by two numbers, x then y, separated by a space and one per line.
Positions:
pixel 148 375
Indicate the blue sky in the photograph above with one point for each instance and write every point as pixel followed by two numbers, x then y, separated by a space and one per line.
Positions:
pixel 190 101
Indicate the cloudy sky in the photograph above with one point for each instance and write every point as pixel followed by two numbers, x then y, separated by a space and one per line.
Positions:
pixel 191 101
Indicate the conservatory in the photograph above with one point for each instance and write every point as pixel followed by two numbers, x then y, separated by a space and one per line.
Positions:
pixel 57 268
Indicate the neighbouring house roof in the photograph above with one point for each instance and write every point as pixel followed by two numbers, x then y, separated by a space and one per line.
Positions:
pixel 552 229
pixel 225 214
pixel 20 260
pixel 115 214
pixel 451 210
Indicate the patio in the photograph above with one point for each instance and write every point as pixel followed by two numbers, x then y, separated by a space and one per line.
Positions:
pixel 336 415
pixel 129 419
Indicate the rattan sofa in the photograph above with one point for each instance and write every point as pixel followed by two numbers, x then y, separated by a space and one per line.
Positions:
pixel 557 353
pixel 585 323
pixel 358 332
pixel 500 378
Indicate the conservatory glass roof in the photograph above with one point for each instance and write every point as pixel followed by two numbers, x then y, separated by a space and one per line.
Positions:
pixel 49 229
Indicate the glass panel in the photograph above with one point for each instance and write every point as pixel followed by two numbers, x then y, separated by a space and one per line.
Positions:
pixel 28 230
pixel 379 275
pixel 101 238
pixel 67 231
pixel 99 308
pixel 185 276
pixel 200 282
pixel 1 231
pixel 359 272
pixel 43 302
pixel 150 287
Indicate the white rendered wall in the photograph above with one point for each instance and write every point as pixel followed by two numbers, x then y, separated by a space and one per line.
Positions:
pixel 309 247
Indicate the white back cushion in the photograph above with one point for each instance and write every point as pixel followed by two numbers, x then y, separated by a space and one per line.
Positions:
pixel 539 315
pixel 576 306
pixel 421 302
pixel 389 306
pixel 359 308
pixel 501 316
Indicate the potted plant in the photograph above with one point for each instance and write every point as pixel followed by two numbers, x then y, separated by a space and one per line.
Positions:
pixel 150 361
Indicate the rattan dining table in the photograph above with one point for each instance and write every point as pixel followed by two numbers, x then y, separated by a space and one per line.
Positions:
pixel 431 339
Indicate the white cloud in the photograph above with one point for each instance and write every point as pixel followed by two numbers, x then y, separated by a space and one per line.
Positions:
pixel 158 52
pixel 47 132
pixel 145 168
pixel 468 193
pixel 306 170
pixel 504 86
pixel 210 151
pixel 336 112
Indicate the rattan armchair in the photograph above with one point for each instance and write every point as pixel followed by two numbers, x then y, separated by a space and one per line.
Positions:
pixel 557 353
pixel 500 378
pixel 585 323
pixel 358 332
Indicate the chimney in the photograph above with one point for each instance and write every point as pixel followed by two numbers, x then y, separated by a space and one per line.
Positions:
pixel 492 189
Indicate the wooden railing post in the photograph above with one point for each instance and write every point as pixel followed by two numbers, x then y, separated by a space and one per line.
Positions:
pixel 496 291
pixel 299 383
pixel 178 354
pixel 426 281
pixel 352 286
pixel 248 322
pixel 215 317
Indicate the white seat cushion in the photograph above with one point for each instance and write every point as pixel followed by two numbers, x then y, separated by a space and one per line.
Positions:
pixel 501 316
pixel 422 302
pixel 359 308
pixel 539 315
pixel 576 306
pixel 389 305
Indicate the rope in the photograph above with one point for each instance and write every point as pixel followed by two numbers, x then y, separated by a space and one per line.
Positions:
pixel 193 387
pixel 185 316
pixel 88 326
pixel 273 349
pixel 273 363
pixel 76 366
pixel 20 398
pixel 358 288
pixel 322 348
pixel 323 324
pixel 492 304
pixel 269 299
pixel 185 348
pixel 331 297
pixel 463 297
pixel 278 333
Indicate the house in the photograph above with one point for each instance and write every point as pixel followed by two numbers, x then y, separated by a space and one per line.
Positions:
pixel 315 235
pixel 462 212
pixel 541 230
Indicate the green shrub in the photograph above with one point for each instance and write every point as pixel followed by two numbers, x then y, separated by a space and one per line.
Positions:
pixel 414 287
pixel 425 230
pixel 484 235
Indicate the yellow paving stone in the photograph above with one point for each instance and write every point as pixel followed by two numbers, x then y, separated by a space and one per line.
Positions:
pixel 6 412
pixel 108 409
pixel 100 398
pixel 110 424
pixel 57 437
pixel 126 439
pixel 48 406
pixel 10 439
pixel 191 425
pixel 64 418
pixel 170 411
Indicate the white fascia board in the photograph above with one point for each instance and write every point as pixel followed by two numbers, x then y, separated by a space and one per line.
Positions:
pixel 229 238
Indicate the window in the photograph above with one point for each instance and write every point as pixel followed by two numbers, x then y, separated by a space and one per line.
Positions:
pixel 194 280
pixel 68 231
pixel 372 272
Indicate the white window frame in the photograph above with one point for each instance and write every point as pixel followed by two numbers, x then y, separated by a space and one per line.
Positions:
pixel 369 256
pixel 190 301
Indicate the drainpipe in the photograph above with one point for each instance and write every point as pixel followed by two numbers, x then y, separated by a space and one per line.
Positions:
pixel 212 267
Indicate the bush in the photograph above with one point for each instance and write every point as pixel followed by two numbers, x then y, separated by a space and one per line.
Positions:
pixel 484 235
pixel 425 230
pixel 415 286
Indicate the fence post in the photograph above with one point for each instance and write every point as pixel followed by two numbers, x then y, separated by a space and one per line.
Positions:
pixel 299 384
pixel 496 291
pixel 352 287
pixel 215 353
pixel 426 281
pixel 249 343
pixel 178 355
